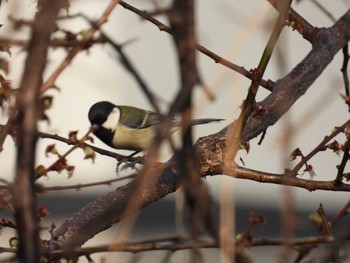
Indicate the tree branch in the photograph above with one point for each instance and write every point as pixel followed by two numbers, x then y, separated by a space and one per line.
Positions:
pixel 176 244
pixel 297 22
pixel 286 91
pixel 110 209
pixel 114 155
pixel 217 59
pixel 27 117
pixel 81 45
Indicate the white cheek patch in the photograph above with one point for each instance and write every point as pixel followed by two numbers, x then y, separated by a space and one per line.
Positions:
pixel 112 120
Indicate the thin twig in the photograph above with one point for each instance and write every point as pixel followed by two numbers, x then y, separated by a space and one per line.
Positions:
pixel 54 43
pixel 124 59
pixel 77 144
pixel 327 228
pixel 114 155
pixel 318 148
pixel 324 10
pixel 344 70
pixel 297 22
pixel 341 214
pixel 286 179
pixel 42 189
pixel 150 245
pixel 343 162
pixel 88 37
pixel 162 27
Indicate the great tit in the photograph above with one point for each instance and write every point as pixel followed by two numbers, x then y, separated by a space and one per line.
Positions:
pixel 127 127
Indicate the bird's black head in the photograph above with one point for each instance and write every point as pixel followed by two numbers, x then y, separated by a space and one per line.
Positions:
pixel 98 115
pixel 99 112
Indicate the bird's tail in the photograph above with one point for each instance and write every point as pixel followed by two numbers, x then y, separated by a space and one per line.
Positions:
pixel 176 124
pixel 205 121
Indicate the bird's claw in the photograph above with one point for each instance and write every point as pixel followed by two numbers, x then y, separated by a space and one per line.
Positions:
pixel 126 163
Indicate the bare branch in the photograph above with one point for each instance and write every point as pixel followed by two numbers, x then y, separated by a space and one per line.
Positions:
pixel 27 104
pixel 319 147
pixel 177 245
pixel 162 27
pixel 88 37
pixel 41 189
pixel 327 42
pixel 297 22
pixel 344 70
pixel 114 155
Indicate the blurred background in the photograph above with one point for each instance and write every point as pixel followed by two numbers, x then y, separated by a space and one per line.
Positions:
pixel 235 30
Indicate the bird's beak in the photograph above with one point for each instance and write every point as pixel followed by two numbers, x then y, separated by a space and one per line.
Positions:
pixel 94 127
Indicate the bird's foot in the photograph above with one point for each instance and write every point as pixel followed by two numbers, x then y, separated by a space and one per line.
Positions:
pixel 129 162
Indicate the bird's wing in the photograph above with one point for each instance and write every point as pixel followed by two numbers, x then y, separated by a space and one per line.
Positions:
pixel 138 118
pixel 151 119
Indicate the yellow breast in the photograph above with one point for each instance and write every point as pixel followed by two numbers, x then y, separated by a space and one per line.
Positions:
pixel 133 139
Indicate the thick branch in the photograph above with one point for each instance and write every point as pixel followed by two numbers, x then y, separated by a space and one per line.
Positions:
pixel 209 152
pixel 327 43
pixel 110 209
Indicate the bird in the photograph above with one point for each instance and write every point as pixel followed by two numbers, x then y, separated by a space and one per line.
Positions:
pixel 129 128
